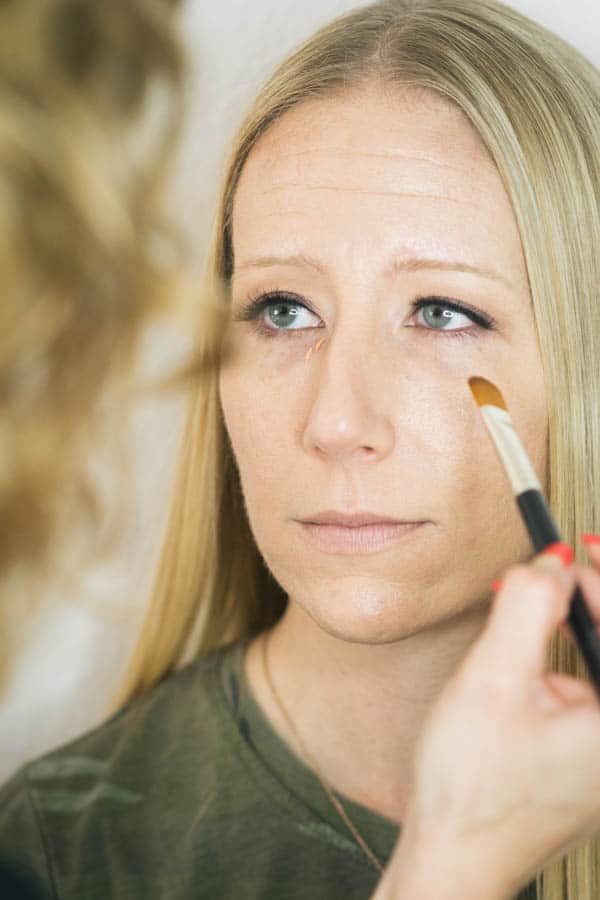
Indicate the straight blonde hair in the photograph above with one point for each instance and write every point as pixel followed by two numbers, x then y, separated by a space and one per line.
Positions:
pixel 535 102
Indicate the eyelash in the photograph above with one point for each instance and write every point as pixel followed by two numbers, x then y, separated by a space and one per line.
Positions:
pixel 256 305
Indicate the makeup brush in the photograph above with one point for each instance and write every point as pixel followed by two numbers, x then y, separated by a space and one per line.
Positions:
pixel 534 508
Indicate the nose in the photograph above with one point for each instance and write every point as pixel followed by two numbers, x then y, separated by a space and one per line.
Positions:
pixel 347 417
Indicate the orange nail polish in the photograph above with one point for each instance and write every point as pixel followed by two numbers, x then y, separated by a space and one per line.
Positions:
pixel 563 551
pixel 496 585
pixel 590 538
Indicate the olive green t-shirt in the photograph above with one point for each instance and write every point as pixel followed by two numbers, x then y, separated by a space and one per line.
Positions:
pixel 186 794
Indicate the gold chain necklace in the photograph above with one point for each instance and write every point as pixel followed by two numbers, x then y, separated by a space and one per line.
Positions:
pixel 312 763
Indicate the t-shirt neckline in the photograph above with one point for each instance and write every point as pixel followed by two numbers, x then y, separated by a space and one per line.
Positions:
pixel 290 771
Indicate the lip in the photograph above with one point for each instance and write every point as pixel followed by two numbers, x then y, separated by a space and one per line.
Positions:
pixel 351 533
pixel 351 520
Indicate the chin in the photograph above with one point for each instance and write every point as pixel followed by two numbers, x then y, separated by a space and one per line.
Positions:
pixel 363 612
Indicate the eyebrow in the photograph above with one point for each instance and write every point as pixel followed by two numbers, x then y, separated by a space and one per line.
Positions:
pixel 404 264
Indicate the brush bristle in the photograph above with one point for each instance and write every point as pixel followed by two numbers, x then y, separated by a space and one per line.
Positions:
pixel 486 393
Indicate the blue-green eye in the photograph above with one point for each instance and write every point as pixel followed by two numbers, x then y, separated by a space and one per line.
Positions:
pixel 438 314
pixel 286 316
pixel 279 311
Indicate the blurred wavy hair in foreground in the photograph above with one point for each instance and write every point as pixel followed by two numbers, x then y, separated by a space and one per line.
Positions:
pixel 90 106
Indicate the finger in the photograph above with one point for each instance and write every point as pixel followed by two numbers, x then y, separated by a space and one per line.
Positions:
pixel 571 691
pixel 531 604
pixel 592 547
pixel 589 582
pixel 566 632
pixel 555 557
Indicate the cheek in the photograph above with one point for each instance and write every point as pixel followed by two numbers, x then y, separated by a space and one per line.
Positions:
pixel 257 420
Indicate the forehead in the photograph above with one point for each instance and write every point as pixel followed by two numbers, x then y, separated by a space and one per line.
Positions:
pixel 378 171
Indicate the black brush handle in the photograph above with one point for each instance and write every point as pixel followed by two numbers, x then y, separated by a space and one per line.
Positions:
pixel 543 532
pixel 586 634
pixel 538 519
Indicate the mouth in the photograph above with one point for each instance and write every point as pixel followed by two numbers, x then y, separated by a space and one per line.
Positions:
pixel 361 532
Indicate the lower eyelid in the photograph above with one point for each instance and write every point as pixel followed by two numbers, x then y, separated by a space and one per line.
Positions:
pixel 261 325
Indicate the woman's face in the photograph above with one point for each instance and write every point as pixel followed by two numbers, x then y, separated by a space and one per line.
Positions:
pixel 377 266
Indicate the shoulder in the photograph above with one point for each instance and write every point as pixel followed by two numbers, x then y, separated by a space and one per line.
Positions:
pixel 185 703
pixel 185 707
pixel 132 768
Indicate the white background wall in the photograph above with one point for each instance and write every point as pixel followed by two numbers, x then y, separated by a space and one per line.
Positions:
pixel 70 646
pixel 236 43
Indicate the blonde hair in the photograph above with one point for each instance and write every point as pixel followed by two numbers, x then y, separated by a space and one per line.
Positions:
pixel 89 106
pixel 536 104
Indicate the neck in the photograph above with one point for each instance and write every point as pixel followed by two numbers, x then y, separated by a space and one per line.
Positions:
pixel 358 708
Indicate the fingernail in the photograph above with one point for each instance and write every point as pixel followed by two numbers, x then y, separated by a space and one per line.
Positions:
pixel 497 585
pixel 590 538
pixel 561 551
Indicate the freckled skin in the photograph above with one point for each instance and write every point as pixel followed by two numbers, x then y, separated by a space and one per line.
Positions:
pixel 381 417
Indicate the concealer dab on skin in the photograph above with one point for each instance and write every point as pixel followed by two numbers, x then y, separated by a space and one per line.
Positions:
pixel 315 348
